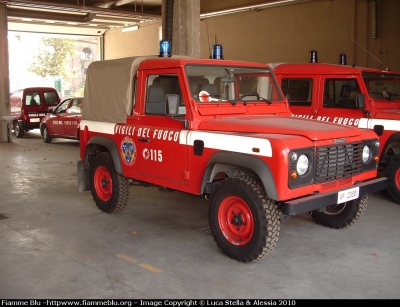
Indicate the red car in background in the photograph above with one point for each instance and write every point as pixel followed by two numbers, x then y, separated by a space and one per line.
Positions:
pixel 64 121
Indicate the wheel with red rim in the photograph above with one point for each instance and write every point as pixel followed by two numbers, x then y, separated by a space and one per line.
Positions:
pixel 341 215
pixel 102 183
pixel 244 222
pixel 397 179
pixel 393 175
pixel 236 220
pixel 110 190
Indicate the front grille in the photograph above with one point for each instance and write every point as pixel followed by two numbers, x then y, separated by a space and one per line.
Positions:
pixel 337 162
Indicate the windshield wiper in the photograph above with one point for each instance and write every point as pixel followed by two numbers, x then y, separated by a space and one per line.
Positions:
pixel 266 100
pixel 254 94
pixel 233 102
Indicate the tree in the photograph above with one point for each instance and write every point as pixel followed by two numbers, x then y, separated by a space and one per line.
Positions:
pixel 53 57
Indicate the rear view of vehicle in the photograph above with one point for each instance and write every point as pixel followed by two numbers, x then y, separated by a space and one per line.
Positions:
pixel 30 105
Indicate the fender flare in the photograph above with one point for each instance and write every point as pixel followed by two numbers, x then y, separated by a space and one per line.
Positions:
pixel 243 161
pixel 110 145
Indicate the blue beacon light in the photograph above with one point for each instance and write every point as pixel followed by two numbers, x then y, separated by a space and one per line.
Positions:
pixel 165 49
pixel 217 52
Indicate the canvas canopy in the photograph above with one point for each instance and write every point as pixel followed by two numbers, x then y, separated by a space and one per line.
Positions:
pixel 108 89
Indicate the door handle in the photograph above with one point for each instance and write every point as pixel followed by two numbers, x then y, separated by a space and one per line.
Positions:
pixel 144 140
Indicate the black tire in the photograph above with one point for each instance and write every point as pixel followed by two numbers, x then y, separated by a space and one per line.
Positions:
pixel 244 222
pixel 393 175
pixel 47 138
pixel 341 215
pixel 18 130
pixel 110 190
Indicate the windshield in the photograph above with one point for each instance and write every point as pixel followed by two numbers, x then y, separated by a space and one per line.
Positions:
pixel 383 86
pixel 232 84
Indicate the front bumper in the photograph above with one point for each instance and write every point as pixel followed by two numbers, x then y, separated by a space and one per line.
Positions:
pixel 320 201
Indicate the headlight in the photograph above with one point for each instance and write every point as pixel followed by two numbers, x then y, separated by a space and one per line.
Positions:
pixel 302 165
pixel 366 154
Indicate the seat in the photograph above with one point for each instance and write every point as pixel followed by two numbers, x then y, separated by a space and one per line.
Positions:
pixel 211 89
pixel 345 101
pixel 155 100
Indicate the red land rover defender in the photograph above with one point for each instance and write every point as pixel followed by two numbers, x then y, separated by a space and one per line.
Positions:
pixel 222 130
pixel 353 96
pixel 30 105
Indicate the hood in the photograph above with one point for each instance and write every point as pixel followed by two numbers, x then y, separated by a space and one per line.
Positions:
pixel 285 125
pixel 388 114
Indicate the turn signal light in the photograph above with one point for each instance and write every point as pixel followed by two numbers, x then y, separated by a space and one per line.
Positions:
pixel 293 175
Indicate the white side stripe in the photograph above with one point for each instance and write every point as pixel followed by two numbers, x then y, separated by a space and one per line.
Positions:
pixel 389 124
pixel 229 142
pixel 100 127
pixel 212 140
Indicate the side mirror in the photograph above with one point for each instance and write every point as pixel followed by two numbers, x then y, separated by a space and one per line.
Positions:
pixel 360 101
pixel 172 105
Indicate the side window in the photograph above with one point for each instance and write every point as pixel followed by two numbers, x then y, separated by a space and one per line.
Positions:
pixel 134 84
pixel 329 100
pixel 75 106
pixel 32 99
pixel 341 93
pixel 299 91
pixel 62 107
pixel 158 87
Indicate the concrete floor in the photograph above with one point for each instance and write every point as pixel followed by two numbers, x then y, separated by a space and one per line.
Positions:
pixel 56 244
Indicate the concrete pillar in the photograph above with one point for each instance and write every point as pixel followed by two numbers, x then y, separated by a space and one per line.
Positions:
pixel 167 19
pixel 186 28
pixel 4 74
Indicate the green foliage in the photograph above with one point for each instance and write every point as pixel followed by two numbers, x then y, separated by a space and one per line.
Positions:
pixel 57 84
pixel 53 57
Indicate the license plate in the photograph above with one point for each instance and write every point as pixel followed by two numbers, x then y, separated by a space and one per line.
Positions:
pixel 35 120
pixel 347 195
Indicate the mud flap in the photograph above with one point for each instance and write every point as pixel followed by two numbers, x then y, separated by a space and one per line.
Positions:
pixel 83 177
